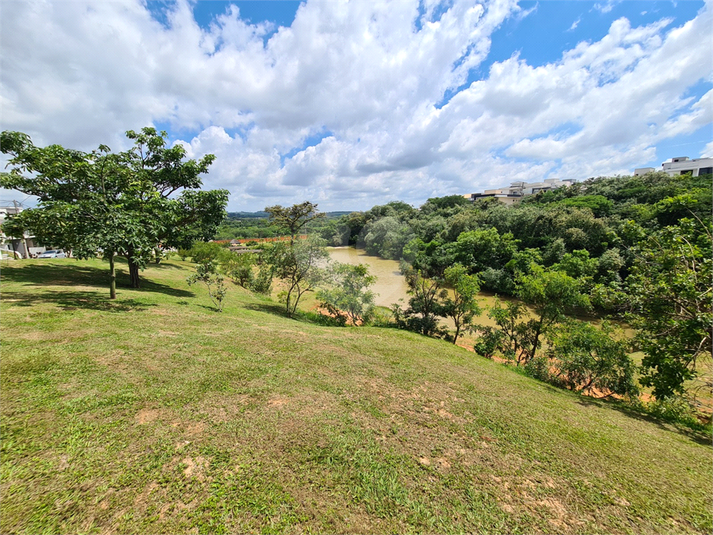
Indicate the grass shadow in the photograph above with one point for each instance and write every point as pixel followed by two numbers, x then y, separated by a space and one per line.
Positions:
pixel 270 308
pixel 73 300
pixel 69 273
pixel 699 436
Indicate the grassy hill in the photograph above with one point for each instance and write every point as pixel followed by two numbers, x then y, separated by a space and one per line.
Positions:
pixel 155 414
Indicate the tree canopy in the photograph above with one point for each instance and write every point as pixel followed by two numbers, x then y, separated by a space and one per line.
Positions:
pixel 127 203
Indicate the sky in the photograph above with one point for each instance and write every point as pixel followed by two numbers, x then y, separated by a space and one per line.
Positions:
pixel 350 104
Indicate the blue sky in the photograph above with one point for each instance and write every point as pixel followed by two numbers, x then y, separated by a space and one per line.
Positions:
pixel 351 104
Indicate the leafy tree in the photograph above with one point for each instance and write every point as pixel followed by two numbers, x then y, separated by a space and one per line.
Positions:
pixel 262 283
pixel 207 274
pixel 598 204
pixel 127 203
pixel 386 237
pixel 586 359
pixel 480 249
pixel 460 304
pixel 239 267
pixel 300 266
pixel 551 294
pixel 202 252
pixel 670 289
pixel 293 218
pixel 350 297
pixel 423 308
pixel 510 336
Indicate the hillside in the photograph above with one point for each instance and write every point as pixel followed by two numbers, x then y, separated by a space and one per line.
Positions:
pixel 155 414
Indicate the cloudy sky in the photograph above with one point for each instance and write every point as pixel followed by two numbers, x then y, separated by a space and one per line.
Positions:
pixel 355 103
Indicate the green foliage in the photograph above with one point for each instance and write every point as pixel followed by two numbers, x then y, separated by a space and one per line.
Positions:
pixel 460 303
pixel 294 218
pixel 598 204
pixel 424 308
pixel 349 296
pixel 207 274
pixel 551 294
pixel 482 249
pixel 202 252
pixel 489 341
pixel 587 359
pixel 234 227
pixel 262 283
pixel 386 237
pixel 239 267
pixel 126 203
pixel 299 265
pixel 670 289
pixel 511 335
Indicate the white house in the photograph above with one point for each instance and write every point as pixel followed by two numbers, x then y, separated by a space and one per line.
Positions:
pixel 518 190
pixel 681 166
pixel 14 246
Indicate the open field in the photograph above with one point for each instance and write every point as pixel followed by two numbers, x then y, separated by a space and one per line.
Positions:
pixel 155 414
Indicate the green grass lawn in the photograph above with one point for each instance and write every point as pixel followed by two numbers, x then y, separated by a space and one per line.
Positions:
pixel 156 414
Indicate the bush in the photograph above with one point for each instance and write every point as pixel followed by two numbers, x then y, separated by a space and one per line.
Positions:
pixel 262 284
pixel 239 267
pixel 203 252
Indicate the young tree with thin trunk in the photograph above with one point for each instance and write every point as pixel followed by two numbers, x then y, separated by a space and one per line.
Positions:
pixel 460 303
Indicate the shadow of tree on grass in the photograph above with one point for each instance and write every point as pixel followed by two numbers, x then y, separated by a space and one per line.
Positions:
pixel 701 437
pixel 270 308
pixel 73 300
pixel 69 273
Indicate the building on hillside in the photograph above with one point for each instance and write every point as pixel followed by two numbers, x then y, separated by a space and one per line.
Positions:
pixel 683 165
pixel 13 246
pixel 518 190
pixel 680 166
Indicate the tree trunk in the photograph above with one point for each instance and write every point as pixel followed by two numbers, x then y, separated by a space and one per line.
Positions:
pixel 134 273
pixel 535 341
pixel 112 277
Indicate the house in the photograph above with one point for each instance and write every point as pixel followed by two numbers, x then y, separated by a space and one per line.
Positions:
pixel 14 246
pixel 683 165
pixel 517 190
pixel 680 166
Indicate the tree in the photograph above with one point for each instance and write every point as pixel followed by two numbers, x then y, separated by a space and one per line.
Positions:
pixel 423 310
pixel 126 203
pixel 208 275
pixel 460 304
pixel 670 290
pixel 350 297
pixel 293 218
pixel 239 267
pixel 511 335
pixel 481 249
pixel 300 266
pixel 386 237
pixel 551 294
pixel 585 358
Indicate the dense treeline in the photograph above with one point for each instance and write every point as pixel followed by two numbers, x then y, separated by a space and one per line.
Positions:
pixel 245 225
pixel 589 230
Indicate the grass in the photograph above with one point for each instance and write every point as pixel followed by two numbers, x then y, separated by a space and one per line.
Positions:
pixel 155 414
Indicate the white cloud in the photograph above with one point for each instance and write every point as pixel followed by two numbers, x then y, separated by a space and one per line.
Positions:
pixel 341 107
